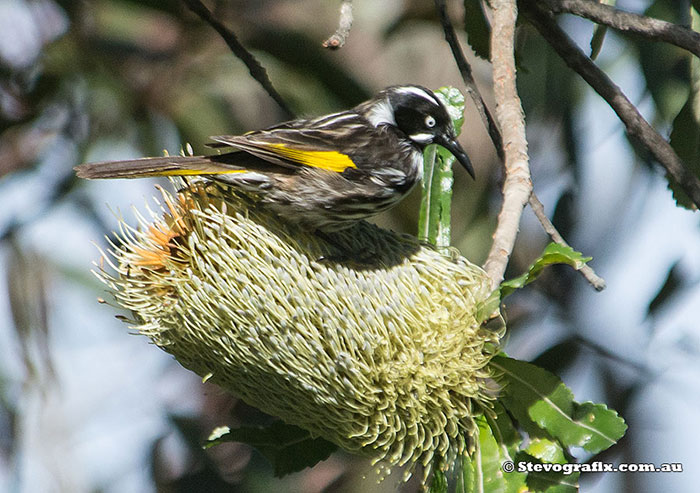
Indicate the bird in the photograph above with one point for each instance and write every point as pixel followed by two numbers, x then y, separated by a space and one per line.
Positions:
pixel 323 173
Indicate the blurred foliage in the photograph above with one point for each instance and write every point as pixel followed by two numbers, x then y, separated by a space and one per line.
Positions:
pixel 112 79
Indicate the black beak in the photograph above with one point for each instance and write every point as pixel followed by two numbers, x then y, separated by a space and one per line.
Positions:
pixel 453 146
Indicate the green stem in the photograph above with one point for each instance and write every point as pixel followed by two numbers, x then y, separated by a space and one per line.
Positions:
pixel 436 203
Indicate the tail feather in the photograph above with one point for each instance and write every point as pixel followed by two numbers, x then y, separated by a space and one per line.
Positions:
pixel 154 166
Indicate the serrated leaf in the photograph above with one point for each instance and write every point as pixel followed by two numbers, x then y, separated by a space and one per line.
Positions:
pixel 477 28
pixel 685 134
pixel 289 448
pixel 552 254
pixel 549 403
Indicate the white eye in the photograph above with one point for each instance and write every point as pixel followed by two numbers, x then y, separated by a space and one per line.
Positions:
pixel 429 121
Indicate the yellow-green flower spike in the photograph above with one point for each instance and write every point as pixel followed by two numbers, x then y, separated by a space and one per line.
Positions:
pixel 364 337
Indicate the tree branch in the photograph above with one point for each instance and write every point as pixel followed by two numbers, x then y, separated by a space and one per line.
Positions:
pixel 647 27
pixel 517 186
pixel 635 124
pixel 470 84
pixel 338 38
pixel 257 71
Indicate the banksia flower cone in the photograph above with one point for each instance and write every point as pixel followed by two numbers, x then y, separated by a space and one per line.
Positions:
pixel 364 337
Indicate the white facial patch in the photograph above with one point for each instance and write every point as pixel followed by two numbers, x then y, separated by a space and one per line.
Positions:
pixel 421 93
pixel 422 138
pixel 382 114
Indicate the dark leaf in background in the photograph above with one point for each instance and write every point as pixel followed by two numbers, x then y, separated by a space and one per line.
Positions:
pixel 549 87
pixel 288 448
pixel 203 474
pixel 564 213
pixel 551 93
pixel 671 286
pixel 560 356
pixel 665 67
pixel 26 286
pixel 478 28
pixel 685 135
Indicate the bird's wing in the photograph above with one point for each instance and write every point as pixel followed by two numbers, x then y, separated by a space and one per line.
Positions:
pixel 327 143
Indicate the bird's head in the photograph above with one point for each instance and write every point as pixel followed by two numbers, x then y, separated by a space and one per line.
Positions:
pixel 419 114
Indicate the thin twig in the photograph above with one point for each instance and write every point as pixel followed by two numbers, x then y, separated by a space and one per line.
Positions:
pixel 647 27
pixel 635 124
pixel 517 186
pixel 470 84
pixel 597 282
pixel 338 38
pixel 257 71
pixel 495 134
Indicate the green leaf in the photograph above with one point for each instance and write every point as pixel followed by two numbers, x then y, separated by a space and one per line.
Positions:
pixel 553 254
pixel 481 471
pixel 543 397
pixel 477 28
pixel 289 448
pixel 453 99
pixel 489 459
pixel 509 442
pixel 599 34
pixel 487 307
pixel 435 211
pixel 439 482
pixel 597 40
pixel 685 135
pixel 546 450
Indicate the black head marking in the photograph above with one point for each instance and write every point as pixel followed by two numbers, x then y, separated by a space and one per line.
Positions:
pixel 419 114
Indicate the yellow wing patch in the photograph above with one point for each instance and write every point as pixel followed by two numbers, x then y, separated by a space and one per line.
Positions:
pixel 328 160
